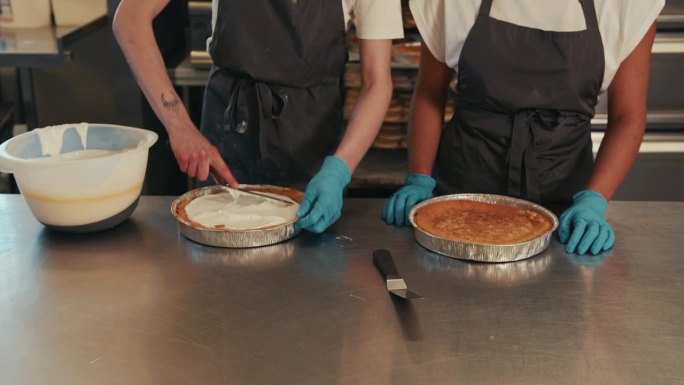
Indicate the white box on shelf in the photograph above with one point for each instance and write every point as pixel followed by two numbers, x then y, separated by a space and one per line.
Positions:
pixel 24 13
pixel 77 12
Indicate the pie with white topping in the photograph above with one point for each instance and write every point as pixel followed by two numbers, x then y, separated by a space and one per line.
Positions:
pixel 214 212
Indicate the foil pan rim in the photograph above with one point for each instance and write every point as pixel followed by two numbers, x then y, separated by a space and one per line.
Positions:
pixel 477 251
pixel 231 238
pixel 192 194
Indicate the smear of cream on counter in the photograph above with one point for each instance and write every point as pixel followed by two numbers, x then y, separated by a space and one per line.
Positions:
pixel 238 211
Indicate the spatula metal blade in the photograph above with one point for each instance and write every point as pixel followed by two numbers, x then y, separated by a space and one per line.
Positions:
pixel 406 294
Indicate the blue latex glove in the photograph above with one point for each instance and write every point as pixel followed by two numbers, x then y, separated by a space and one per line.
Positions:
pixel 584 227
pixel 417 188
pixel 322 204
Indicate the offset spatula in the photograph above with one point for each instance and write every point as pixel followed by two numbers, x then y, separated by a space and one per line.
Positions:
pixel 219 181
pixel 395 284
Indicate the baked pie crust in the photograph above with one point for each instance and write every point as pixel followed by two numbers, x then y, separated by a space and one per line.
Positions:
pixel 481 222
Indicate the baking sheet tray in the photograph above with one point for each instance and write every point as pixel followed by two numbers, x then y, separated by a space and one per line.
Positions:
pixel 484 252
pixel 232 238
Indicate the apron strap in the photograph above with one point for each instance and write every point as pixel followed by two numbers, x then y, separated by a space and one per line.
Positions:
pixel 590 18
pixel 532 171
pixel 485 8
pixel 523 147
pixel 236 114
pixel 271 104
pixel 520 138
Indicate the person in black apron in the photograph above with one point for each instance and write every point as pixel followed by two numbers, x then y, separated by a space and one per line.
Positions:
pixel 273 103
pixel 522 125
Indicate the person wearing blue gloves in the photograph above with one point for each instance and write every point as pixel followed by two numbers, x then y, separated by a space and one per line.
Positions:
pixel 272 111
pixel 528 78
pixel 322 203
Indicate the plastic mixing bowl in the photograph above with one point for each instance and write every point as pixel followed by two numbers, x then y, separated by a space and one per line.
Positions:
pixel 79 177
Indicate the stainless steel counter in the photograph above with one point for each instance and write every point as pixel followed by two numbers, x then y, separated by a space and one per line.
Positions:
pixel 140 304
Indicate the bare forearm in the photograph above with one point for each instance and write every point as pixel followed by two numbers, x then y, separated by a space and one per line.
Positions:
pixel 133 30
pixel 365 121
pixel 135 36
pixel 427 113
pixel 626 119
pixel 425 128
pixel 616 155
pixel 371 106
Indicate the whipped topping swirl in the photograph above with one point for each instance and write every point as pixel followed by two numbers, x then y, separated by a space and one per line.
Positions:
pixel 239 211
pixel 51 138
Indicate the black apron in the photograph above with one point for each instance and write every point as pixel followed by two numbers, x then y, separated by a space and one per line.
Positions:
pixel 273 102
pixel 525 99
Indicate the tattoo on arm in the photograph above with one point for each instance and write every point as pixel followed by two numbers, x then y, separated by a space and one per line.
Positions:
pixel 171 105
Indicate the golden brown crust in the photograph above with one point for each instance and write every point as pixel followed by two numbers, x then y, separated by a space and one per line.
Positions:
pixel 291 193
pixel 180 210
pixel 295 195
pixel 481 223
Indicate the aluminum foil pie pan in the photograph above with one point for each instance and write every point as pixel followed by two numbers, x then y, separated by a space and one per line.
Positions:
pixel 227 237
pixel 484 252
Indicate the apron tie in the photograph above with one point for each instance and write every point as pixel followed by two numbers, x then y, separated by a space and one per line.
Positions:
pixel 522 146
pixel 271 103
pixel 522 157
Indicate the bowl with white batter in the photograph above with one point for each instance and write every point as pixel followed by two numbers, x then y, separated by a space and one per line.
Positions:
pixel 224 217
pixel 79 177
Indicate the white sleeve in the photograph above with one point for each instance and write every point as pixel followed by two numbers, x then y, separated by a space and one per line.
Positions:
pixel 637 16
pixel 623 25
pixel 429 17
pixel 378 19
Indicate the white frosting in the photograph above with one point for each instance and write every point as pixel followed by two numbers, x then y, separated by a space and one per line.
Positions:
pixel 239 211
pixel 78 155
pixel 51 137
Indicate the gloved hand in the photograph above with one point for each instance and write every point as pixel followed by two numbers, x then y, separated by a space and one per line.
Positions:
pixel 584 227
pixel 416 189
pixel 322 204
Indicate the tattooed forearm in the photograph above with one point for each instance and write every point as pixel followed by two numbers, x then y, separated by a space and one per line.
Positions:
pixel 171 105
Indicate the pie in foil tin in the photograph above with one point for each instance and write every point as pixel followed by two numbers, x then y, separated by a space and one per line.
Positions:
pixel 485 252
pixel 230 238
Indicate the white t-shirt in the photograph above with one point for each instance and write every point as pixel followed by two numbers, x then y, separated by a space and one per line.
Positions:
pixel 445 24
pixel 374 19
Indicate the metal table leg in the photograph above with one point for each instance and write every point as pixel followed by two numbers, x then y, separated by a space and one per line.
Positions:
pixel 26 90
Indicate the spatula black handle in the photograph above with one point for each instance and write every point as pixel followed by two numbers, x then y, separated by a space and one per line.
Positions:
pixel 383 260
